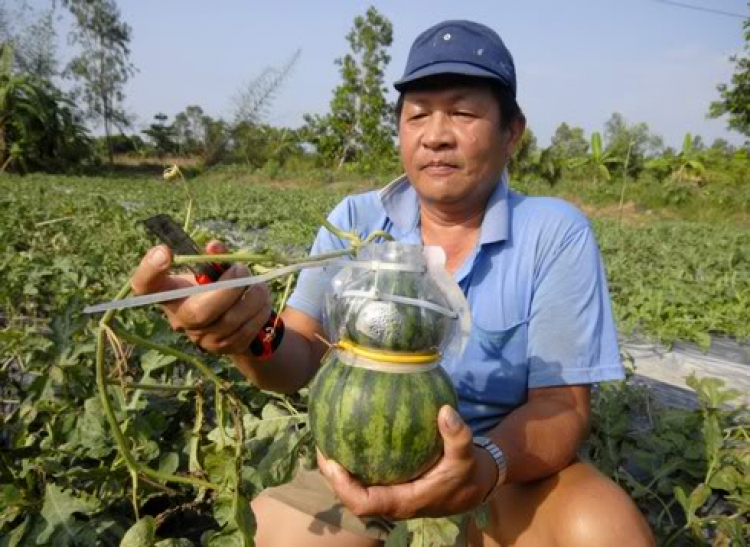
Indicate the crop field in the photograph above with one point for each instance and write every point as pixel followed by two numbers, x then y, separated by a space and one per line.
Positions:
pixel 194 442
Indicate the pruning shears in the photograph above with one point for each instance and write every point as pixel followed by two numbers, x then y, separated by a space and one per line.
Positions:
pixel 168 231
pixel 206 274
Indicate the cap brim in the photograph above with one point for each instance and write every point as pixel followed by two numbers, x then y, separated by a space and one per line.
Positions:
pixel 463 69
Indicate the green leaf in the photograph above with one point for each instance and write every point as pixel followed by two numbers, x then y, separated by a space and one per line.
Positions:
pixel 152 360
pixel 691 504
pixel 712 436
pixel 91 433
pixel 399 536
pixel 174 542
pixel 58 510
pixel 279 464
pixel 237 520
pixel 220 466
pixel 682 499
pixel 16 536
pixel 169 463
pixel 596 145
pixel 703 340
pixel 710 391
pixel 726 478
pixel 481 516
pixel 141 534
pixel 428 532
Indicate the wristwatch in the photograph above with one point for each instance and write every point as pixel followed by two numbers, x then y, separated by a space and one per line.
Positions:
pixel 500 461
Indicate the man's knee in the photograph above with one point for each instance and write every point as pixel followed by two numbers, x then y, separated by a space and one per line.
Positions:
pixel 577 507
pixel 591 510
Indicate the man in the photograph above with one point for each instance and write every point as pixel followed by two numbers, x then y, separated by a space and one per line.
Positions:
pixel 542 326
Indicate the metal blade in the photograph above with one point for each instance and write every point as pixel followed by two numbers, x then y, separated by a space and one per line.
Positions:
pixel 176 294
pixel 166 296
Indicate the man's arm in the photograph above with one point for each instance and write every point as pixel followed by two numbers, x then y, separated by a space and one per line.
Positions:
pixel 542 436
pixel 295 361
pixel 225 322
pixel 539 438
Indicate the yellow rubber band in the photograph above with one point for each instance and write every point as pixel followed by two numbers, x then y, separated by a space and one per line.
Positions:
pixel 418 358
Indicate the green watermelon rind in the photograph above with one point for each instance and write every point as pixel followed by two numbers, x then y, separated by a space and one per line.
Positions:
pixel 380 426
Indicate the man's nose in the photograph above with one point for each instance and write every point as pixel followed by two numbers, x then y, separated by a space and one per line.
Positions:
pixel 438 132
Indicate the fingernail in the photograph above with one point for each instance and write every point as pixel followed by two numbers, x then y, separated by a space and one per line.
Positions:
pixel 215 247
pixel 159 257
pixel 325 469
pixel 334 470
pixel 452 420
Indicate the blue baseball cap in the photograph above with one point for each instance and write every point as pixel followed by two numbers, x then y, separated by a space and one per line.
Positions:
pixel 459 47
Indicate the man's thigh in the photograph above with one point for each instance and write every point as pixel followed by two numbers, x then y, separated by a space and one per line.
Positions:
pixel 578 506
pixel 307 509
pixel 281 525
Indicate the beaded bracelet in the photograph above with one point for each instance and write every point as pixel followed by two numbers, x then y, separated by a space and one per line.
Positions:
pixel 268 339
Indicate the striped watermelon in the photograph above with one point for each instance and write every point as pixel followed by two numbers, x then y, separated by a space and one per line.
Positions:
pixel 380 426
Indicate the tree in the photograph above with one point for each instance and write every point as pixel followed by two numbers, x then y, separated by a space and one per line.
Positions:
pixel 569 142
pixel 189 128
pixel 635 142
pixel 33 38
pixel 722 146
pixel 102 67
pixel 39 128
pixel 361 125
pixel 162 135
pixel 735 96
pixel 521 162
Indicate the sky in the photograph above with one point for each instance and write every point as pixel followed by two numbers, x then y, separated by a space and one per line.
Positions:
pixel 577 61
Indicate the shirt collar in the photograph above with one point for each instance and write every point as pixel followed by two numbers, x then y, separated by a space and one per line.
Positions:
pixel 401 204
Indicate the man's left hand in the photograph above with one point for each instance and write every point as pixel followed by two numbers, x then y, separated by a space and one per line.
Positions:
pixel 458 482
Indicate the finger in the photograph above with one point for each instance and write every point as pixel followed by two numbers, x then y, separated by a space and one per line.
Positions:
pixel 253 309
pixel 232 333
pixel 457 436
pixel 236 342
pixel 200 310
pixel 152 274
pixel 216 247
pixel 347 489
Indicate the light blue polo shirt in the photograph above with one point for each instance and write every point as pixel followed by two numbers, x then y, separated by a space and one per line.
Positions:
pixel 540 307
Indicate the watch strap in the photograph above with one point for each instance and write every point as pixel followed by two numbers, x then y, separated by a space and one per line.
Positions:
pixel 500 462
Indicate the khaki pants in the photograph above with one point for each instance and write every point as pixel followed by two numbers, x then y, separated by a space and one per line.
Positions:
pixel 310 493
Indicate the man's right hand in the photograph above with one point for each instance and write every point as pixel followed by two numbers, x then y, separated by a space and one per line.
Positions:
pixel 223 321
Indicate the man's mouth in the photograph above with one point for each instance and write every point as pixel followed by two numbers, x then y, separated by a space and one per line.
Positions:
pixel 438 167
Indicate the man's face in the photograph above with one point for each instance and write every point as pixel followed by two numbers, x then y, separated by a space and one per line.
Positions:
pixel 452 147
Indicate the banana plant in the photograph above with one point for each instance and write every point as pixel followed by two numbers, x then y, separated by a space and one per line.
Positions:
pixel 38 126
pixel 599 160
pixel 685 166
pixel 689 164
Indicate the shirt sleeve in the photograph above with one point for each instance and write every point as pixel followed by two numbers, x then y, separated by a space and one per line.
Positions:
pixel 313 283
pixel 572 337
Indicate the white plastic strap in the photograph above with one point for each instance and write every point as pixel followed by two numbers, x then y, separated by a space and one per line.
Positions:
pixel 376 265
pixel 377 295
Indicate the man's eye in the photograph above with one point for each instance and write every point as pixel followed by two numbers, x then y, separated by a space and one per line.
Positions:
pixel 464 114
pixel 417 116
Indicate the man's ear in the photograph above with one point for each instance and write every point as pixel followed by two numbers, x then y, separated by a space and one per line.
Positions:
pixel 515 131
